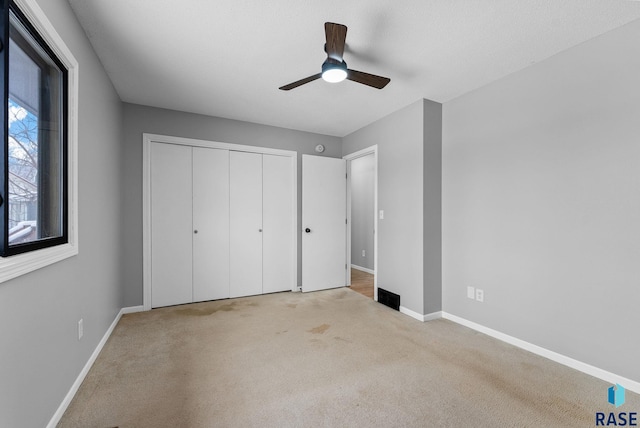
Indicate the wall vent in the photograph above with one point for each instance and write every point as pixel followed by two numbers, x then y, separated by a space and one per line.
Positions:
pixel 389 299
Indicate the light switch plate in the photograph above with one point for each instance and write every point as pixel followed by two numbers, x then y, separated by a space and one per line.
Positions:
pixel 471 292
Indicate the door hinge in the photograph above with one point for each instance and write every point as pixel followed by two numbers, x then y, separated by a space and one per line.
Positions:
pixel 345 221
pixel 345 265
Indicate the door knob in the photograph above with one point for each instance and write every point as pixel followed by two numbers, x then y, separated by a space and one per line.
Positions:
pixel 195 231
pixel 307 230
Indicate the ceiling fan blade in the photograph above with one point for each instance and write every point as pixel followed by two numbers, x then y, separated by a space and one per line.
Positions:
pixel 336 36
pixel 301 82
pixel 372 80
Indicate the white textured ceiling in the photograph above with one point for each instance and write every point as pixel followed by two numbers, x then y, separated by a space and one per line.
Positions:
pixel 227 58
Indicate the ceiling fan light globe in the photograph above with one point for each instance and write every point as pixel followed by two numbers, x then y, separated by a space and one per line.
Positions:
pixel 334 71
pixel 334 75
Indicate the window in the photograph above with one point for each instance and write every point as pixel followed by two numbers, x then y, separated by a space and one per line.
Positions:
pixel 34 211
pixel 38 213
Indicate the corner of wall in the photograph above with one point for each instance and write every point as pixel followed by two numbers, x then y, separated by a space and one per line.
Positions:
pixel 432 208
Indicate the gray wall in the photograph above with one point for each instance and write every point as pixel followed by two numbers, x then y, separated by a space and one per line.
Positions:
pixel 362 215
pixel 409 176
pixel 540 203
pixel 432 208
pixel 399 140
pixel 140 119
pixel 40 355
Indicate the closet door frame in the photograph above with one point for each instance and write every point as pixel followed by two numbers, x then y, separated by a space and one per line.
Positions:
pixel 147 141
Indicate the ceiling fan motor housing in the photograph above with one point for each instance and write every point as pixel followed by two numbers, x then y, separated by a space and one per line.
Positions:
pixel 331 64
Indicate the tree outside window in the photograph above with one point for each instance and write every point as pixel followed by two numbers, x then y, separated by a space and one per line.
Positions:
pixel 23 174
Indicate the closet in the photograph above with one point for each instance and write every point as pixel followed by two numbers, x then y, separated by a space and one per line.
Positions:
pixel 221 223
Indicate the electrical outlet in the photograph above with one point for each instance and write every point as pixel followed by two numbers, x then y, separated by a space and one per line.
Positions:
pixel 80 329
pixel 479 295
pixel 363 253
pixel 471 292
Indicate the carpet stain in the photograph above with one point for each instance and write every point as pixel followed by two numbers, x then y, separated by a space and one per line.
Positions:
pixel 292 305
pixel 321 329
pixel 318 344
pixel 197 312
pixel 342 339
pixel 228 307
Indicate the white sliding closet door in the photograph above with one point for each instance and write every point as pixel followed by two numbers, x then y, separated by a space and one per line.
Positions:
pixel 219 221
pixel 210 224
pixel 245 223
pixel 277 218
pixel 171 224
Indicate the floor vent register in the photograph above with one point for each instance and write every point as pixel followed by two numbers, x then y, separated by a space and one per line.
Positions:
pixel 389 299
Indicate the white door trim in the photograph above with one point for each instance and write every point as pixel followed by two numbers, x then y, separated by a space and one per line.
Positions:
pixel 147 140
pixel 361 153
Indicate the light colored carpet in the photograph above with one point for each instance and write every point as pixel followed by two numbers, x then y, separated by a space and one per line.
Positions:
pixel 326 359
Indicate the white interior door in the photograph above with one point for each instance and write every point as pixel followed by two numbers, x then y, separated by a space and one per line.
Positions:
pixel 245 223
pixel 324 223
pixel 277 220
pixel 171 224
pixel 210 224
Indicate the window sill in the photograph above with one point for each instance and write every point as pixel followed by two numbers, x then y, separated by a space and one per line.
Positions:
pixel 21 264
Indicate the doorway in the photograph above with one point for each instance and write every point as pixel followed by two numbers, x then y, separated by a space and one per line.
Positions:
pixel 362 206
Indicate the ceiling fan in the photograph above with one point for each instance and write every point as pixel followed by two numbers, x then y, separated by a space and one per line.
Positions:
pixel 334 69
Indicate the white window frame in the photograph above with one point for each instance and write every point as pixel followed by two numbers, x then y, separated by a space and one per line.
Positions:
pixel 21 264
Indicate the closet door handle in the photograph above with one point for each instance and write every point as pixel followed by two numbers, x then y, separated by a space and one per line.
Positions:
pixel 259 230
pixel 195 231
pixel 307 230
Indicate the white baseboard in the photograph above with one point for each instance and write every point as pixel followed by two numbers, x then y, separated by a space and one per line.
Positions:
pixel 76 385
pixel 411 313
pixel 432 316
pixel 363 269
pixel 553 356
pixel 132 309
pixel 419 317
